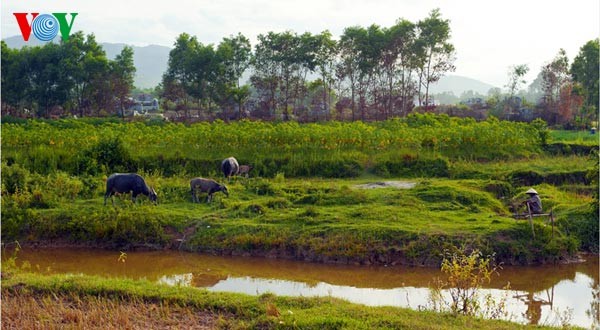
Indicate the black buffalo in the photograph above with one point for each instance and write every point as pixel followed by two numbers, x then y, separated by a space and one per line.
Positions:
pixel 126 183
pixel 206 185
pixel 230 167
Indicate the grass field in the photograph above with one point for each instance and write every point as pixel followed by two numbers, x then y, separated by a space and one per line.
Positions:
pixel 328 220
pixel 301 200
pixel 574 137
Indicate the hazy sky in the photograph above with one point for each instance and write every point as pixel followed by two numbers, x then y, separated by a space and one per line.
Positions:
pixel 489 36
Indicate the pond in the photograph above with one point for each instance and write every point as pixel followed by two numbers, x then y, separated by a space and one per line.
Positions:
pixel 549 295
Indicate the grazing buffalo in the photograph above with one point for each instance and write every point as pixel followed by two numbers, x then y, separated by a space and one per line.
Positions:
pixel 230 167
pixel 206 185
pixel 125 183
pixel 245 170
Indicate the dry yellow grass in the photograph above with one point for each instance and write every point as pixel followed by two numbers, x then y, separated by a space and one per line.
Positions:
pixel 25 310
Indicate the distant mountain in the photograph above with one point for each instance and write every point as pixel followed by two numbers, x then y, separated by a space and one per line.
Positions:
pixel 458 85
pixel 150 61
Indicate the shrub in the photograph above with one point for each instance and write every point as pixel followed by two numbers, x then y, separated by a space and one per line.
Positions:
pixel 63 186
pixel 14 178
pixel 583 224
pixel 542 129
pixel 464 276
pixel 107 156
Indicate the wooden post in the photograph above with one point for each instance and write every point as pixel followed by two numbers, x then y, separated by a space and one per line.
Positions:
pixel 552 221
pixel 530 219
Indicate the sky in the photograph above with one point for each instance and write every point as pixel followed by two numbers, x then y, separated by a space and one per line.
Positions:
pixel 489 36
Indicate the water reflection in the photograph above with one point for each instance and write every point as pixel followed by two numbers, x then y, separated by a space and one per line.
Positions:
pixel 547 295
pixel 534 305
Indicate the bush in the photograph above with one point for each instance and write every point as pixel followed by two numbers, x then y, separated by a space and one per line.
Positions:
pixel 63 186
pixel 582 223
pixel 464 276
pixel 107 156
pixel 14 178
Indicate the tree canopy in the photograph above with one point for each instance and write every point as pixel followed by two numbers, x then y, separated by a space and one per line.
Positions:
pixel 368 73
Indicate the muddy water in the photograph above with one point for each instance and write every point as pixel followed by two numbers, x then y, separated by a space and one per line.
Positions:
pixel 548 295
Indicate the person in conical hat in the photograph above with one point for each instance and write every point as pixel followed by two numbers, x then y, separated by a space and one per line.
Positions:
pixel 534 201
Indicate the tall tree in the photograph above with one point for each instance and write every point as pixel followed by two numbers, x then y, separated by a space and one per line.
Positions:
pixel 288 56
pixel 265 77
pixel 87 65
pixel 584 70
pixel 515 79
pixel 281 64
pixel 325 50
pixel 122 76
pixel 554 77
pixel 16 84
pixel 360 58
pixel 177 80
pixel 50 82
pixel 397 66
pixel 348 66
pixel 435 51
pixel 235 54
pixel 570 101
pixel 204 71
pixel 535 90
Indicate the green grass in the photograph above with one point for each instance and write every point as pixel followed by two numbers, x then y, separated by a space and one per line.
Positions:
pixel 469 172
pixel 574 137
pixel 235 311
pixel 501 169
pixel 317 219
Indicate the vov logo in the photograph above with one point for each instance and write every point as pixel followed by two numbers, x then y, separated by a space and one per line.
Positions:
pixel 45 27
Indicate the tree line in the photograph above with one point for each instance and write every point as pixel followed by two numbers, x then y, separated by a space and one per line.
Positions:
pixel 368 73
pixel 563 93
pixel 371 72
pixel 72 77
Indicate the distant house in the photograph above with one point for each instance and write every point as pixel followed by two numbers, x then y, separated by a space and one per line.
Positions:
pixel 143 104
pixel 475 103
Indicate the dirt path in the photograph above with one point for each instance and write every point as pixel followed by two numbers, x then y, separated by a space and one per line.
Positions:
pixel 387 184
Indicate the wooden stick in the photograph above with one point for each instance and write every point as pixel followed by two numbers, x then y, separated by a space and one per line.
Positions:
pixel 530 219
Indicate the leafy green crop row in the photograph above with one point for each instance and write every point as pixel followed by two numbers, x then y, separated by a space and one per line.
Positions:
pixel 332 149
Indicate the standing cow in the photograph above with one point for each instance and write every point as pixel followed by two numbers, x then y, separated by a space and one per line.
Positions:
pixel 206 185
pixel 128 182
pixel 230 167
pixel 245 170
